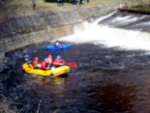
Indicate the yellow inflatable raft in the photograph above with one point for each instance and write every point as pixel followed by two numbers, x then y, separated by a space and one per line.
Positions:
pixel 28 68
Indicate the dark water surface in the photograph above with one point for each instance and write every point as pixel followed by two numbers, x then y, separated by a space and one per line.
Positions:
pixel 106 80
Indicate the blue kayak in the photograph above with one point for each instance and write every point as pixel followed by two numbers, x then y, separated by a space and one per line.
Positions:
pixel 53 47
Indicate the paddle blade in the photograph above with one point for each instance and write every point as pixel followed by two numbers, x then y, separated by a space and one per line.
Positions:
pixel 73 64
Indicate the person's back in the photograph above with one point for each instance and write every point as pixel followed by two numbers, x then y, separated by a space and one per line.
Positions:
pixel 59 61
pixel 43 65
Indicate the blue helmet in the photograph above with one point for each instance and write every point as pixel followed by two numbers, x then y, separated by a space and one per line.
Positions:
pixel 58 56
pixel 45 59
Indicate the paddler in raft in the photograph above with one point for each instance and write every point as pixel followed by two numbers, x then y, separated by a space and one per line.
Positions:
pixel 35 63
pixel 48 61
pixel 58 61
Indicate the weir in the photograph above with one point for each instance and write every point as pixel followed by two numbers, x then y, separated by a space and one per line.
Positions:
pixel 112 37
pixel 114 30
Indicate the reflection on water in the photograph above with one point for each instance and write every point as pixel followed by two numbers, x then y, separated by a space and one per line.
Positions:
pixel 114 97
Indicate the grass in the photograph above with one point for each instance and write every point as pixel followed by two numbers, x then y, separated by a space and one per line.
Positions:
pixel 12 8
pixel 24 7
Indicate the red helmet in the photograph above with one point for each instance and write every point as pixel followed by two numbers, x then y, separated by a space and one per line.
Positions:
pixel 36 58
pixel 49 56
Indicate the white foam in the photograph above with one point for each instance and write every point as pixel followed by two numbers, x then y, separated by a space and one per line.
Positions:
pixel 110 37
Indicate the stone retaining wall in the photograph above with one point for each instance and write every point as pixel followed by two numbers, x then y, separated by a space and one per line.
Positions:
pixel 19 41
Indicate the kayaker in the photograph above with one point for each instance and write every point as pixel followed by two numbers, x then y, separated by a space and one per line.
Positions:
pixel 58 44
pixel 58 61
pixel 35 63
pixel 48 61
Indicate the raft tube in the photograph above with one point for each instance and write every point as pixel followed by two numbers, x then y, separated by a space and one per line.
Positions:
pixel 28 68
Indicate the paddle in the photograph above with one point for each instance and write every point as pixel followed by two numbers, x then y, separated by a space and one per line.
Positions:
pixel 49 66
pixel 72 64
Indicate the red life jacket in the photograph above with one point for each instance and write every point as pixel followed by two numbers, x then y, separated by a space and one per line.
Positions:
pixel 43 65
pixel 36 64
pixel 59 62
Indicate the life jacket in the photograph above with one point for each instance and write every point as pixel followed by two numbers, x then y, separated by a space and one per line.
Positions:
pixel 43 65
pixel 36 64
pixel 59 62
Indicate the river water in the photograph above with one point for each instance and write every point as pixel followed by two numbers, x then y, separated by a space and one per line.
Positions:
pixel 112 73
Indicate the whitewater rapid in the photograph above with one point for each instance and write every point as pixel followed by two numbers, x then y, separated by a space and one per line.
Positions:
pixel 108 36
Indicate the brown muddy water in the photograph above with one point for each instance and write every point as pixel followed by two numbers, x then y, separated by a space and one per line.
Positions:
pixel 106 80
